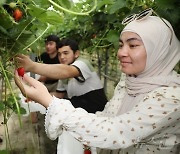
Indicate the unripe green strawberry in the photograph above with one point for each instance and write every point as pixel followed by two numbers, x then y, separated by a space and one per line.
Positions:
pixel 12 5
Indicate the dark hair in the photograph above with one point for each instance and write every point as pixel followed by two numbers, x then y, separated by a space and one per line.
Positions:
pixel 69 42
pixel 53 38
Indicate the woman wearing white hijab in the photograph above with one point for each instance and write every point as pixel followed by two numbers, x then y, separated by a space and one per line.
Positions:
pixel 143 117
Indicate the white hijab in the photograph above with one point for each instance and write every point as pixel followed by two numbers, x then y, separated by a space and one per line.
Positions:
pixel 161 59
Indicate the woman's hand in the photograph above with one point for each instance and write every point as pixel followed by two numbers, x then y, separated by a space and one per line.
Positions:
pixel 33 89
pixel 25 61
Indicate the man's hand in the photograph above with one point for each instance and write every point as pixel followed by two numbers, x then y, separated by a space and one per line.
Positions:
pixel 24 61
pixel 33 89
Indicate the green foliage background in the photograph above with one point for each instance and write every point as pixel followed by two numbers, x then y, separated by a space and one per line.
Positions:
pixel 104 22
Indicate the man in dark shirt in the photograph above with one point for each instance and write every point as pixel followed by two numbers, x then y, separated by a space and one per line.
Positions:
pixel 50 56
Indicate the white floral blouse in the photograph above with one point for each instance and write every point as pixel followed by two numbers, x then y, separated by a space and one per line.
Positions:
pixel 152 126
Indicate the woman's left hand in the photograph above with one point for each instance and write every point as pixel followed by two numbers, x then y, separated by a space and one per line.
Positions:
pixel 33 89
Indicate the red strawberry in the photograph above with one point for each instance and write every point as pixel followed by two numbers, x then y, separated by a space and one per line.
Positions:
pixel 87 151
pixel 17 14
pixel 21 71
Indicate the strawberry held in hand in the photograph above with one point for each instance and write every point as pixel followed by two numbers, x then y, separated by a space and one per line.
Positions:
pixel 21 71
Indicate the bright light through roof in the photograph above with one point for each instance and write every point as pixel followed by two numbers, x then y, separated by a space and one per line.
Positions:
pixel 75 1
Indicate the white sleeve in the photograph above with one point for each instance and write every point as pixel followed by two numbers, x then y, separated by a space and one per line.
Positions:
pixel 155 112
pixel 83 68
pixel 60 86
